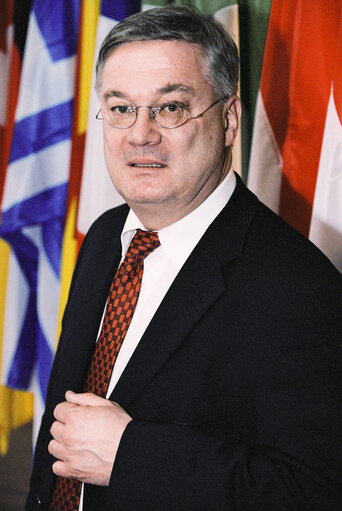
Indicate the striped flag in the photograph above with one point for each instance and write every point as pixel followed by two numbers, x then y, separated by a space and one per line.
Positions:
pixel 34 198
pixel 326 220
pixel 15 406
pixel 295 164
pixel 87 30
pixel 6 48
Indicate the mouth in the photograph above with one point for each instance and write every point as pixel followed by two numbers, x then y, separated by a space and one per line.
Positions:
pixel 148 165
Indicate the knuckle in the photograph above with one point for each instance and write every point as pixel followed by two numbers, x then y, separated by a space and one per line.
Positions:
pixel 69 437
pixel 50 447
pixel 57 468
pixel 53 429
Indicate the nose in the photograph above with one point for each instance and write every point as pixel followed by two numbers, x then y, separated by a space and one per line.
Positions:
pixel 144 131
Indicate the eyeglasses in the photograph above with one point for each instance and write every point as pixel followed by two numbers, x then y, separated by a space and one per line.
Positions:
pixel 169 116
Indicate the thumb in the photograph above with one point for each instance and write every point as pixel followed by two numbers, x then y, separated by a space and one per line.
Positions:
pixel 86 399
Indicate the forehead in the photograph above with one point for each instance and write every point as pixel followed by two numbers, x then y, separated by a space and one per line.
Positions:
pixel 148 66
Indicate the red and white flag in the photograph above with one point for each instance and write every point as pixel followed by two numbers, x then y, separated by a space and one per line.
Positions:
pixel 326 220
pixel 296 156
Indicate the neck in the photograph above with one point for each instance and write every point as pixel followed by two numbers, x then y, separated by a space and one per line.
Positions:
pixel 156 216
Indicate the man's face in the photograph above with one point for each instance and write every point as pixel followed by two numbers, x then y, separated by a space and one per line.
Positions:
pixel 164 172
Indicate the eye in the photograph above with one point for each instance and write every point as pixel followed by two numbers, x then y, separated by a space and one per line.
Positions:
pixel 171 108
pixel 121 109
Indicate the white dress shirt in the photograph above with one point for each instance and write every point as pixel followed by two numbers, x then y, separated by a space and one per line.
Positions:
pixel 161 266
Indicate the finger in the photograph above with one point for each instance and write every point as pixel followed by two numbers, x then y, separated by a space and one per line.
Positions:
pixel 56 449
pixel 56 430
pixel 86 399
pixel 63 469
pixel 60 469
pixel 62 410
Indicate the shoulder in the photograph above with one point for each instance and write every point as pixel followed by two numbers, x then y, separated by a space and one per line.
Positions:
pixel 281 243
pixel 110 220
pixel 272 246
pixel 106 227
pixel 102 238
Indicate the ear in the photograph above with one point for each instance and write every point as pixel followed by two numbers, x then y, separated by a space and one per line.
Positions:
pixel 231 113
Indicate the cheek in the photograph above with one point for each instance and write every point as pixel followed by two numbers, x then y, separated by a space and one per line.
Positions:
pixel 112 149
pixel 185 146
pixel 201 148
pixel 109 142
pixel 110 164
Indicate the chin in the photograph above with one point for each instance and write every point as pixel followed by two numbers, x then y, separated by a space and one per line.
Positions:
pixel 145 199
pixel 145 195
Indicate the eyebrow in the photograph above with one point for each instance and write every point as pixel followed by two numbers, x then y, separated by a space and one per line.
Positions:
pixel 113 93
pixel 177 87
pixel 166 89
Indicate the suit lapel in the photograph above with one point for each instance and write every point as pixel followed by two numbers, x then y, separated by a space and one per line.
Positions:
pixel 198 285
pixel 94 272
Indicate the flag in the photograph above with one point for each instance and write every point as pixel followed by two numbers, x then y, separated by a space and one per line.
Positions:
pixel 299 93
pixel 326 220
pixel 16 407
pixel 34 197
pixel 86 39
pixel 253 21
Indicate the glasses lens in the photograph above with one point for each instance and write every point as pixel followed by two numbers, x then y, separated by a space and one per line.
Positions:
pixel 120 116
pixel 170 115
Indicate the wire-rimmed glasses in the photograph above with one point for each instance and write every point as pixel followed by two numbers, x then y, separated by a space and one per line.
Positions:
pixel 170 115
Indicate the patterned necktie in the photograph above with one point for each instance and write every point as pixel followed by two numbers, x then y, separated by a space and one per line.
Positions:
pixel 122 299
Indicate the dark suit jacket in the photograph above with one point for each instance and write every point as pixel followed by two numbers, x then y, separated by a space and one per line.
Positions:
pixel 235 387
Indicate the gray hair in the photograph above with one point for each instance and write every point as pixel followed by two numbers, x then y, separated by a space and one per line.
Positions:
pixel 220 55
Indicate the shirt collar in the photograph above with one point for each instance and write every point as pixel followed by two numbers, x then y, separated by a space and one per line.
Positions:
pixel 179 239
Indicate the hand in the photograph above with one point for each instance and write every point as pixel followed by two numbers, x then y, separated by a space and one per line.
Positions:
pixel 86 437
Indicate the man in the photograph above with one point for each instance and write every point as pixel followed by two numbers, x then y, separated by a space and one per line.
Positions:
pixel 226 386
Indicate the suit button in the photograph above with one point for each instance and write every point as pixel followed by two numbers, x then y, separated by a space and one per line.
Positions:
pixel 39 500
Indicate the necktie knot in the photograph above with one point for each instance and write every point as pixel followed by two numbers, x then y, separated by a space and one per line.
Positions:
pixel 142 244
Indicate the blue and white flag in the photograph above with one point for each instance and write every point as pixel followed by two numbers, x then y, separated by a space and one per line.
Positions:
pixel 34 200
